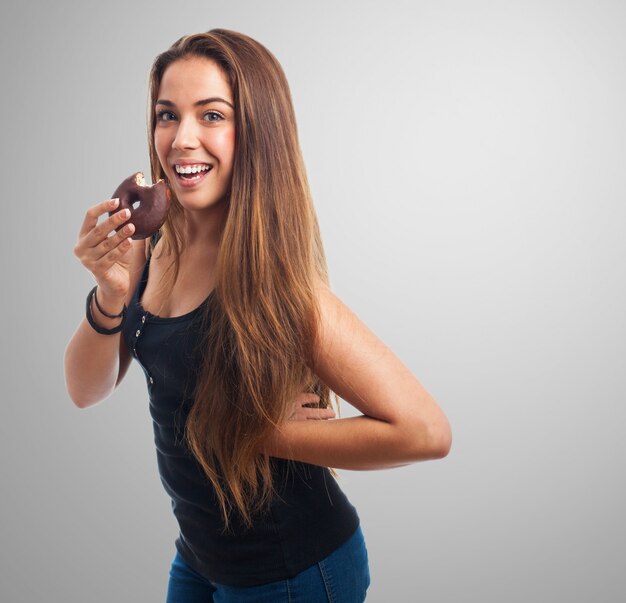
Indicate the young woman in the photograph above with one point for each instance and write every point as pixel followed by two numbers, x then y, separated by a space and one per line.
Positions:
pixel 228 311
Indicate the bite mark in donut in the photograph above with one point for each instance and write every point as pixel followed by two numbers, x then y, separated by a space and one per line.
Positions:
pixel 154 203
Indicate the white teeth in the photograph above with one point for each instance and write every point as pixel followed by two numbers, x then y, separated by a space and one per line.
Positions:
pixel 192 169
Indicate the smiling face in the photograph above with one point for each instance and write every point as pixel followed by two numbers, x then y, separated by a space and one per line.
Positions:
pixel 194 134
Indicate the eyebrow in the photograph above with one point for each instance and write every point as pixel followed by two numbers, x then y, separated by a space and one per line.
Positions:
pixel 204 101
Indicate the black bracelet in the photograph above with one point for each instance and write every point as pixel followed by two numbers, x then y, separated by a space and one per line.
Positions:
pixel 95 325
pixel 95 298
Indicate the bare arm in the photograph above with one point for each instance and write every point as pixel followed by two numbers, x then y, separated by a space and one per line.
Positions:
pixel 401 423
pixel 94 364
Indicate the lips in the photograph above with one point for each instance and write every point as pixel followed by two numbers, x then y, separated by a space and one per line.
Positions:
pixel 189 175
pixel 191 168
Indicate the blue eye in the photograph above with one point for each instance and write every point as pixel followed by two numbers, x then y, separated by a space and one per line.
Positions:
pixel 209 114
pixel 163 115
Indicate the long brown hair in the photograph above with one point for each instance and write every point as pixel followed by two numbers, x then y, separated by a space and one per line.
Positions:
pixel 261 322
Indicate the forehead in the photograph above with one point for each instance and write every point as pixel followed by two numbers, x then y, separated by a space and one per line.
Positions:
pixel 194 78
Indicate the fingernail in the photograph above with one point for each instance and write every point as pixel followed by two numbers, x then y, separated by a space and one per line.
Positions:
pixel 114 202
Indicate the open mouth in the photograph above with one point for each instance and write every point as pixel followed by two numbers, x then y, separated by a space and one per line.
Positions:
pixel 188 175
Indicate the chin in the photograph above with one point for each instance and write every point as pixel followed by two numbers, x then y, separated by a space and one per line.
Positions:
pixel 201 202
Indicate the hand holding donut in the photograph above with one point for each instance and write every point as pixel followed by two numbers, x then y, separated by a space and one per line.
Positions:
pixel 106 257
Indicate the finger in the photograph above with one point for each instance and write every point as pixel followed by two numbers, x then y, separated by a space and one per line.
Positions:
pixel 99 259
pixel 102 230
pixel 112 257
pixel 321 413
pixel 93 213
pixel 327 413
pixel 90 245
pixel 110 243
pixel 308 398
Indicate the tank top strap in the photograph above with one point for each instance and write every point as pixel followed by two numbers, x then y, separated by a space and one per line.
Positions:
pixel 153 241
pixel 144 276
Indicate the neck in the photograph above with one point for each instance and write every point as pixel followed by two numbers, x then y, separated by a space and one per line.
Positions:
pixel 203 229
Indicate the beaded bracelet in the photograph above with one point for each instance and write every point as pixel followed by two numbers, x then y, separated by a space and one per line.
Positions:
pixel 95 325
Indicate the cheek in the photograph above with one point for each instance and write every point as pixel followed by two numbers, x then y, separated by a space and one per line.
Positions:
pixel 161 143
pixel 225 142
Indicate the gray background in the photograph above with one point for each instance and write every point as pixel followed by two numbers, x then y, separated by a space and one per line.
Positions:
pixel 467 161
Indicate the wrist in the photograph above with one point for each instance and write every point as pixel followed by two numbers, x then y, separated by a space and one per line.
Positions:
pixel 107 305
pixel 100 322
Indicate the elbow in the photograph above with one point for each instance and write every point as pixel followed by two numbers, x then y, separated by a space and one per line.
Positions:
pixel 74 395
pixel 79 401
pixel 441 441
pixel 82 404
pixel 84 398
pixel 431 442
pixel 81 396
pixel 78 395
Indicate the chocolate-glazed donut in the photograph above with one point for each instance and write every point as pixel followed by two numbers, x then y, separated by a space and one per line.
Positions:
pixel 154 203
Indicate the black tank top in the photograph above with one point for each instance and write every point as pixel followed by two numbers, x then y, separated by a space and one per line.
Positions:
pixel 308 520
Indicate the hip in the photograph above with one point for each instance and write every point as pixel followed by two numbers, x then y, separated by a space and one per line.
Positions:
pixel 343 576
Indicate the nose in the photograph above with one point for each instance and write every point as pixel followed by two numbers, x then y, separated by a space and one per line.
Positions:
pixel 186 135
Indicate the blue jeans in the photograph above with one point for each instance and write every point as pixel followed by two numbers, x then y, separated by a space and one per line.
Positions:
pixel 342 577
